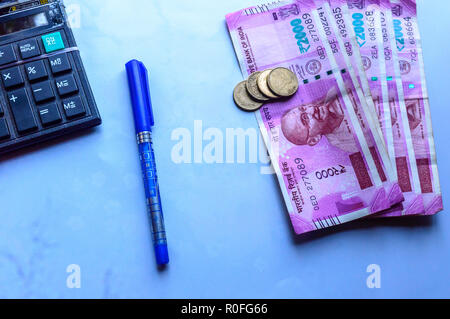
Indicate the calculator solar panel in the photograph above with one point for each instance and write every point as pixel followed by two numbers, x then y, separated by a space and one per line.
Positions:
pixel 45 90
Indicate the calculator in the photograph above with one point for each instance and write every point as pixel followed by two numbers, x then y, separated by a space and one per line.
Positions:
pixel 45 92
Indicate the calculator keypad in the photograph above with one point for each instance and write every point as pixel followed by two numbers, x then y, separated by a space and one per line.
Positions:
pixel 60 63
pixel 22 111
pixel 41 92
pixel 49 114
pixel 53 42
pixel 73 107
pixel 36 71
pixel 66 85
pixel 12 77
pixel 7 54
pixel 29 49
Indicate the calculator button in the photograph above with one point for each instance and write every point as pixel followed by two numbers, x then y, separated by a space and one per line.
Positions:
pixel 74 107
pixel 49 114
pixel 66 85
pixel 29 49
pixel 36 70
pixel 12 77
pixel 4 131
pixel 53 42
pixel 7 55
pixel 22 112
pixel 59 63
pixel 42 91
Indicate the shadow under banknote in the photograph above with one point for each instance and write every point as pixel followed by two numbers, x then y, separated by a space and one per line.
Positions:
pixel 408 222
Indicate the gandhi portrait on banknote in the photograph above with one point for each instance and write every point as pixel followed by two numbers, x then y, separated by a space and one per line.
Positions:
pixel 412 110
pixel 414 115
pixel 415 120
pixel 308 124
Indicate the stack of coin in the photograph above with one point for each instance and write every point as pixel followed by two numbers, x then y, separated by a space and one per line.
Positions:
pixel 264 87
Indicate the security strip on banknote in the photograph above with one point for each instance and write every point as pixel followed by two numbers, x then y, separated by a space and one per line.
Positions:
pixel 320 153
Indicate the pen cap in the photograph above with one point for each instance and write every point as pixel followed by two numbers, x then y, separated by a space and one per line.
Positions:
pixel 140 96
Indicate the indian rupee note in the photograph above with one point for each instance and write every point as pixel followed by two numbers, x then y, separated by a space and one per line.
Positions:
pixel 406 41
pixel 339 52
pixel 365 21
pixel 323 162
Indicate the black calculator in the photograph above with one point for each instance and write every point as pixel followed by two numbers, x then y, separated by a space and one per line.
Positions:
pixel 45 90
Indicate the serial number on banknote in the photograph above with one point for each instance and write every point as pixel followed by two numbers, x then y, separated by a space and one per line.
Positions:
pixel 301 167
pixel 339 17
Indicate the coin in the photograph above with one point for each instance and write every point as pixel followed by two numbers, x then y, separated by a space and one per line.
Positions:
pixel 243 99
pixel 252 88
pixel 282 82
pixel 262 84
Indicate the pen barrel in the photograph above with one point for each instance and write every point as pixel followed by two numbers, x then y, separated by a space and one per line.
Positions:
pixel 148 163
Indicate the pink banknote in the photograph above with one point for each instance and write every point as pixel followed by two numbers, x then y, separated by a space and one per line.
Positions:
pixel 372 35
pixel 407 43
pixel 358 27
pixel 339 14
pixel 346 55
pixel 329 171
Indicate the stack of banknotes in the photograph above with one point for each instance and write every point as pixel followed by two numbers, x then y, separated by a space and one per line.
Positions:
pixel 356 140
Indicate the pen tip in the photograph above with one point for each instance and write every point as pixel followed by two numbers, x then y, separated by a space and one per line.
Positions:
pixel 162 255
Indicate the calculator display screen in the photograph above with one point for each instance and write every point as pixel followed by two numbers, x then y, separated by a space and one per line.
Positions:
pixel 23 23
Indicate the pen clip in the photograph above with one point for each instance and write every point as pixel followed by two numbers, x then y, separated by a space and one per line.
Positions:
pixel 146 89
pixel 140 96
pixel 143 73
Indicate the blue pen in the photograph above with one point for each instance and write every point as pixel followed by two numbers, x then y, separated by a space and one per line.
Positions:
pixel 144 121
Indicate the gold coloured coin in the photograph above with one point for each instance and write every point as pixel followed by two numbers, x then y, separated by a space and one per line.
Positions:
pixel 263 86
pixel 244 100
pixel 283 82
pixel 253 89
